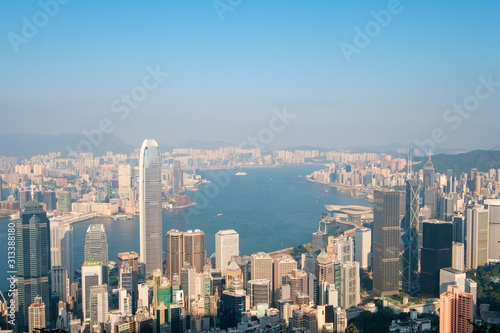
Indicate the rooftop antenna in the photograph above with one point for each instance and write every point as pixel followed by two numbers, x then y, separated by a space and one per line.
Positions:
pixel 32 193
pixel 409 175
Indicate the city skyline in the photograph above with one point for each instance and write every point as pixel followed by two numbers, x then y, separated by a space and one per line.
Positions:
pixel 224 83
pixel 151 234
pixel 330 274
pixel 283 166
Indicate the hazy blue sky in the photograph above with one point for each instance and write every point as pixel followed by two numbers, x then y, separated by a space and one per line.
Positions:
pixel 226 76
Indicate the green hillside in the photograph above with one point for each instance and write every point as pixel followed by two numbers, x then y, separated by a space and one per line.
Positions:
pixel 483 160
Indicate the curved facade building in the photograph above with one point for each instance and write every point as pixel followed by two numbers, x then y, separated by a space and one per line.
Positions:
pixel 151 245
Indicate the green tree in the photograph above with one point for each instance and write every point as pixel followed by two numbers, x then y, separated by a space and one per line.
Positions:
pixel 351 329
pixel 485 328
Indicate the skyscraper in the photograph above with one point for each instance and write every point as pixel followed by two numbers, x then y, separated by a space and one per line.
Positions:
pixel 297 281
pixel 24 197
pixel 458 256
pixel 60 282
pixel 456 311
pixel 49 198
pixel 282 266
pixel 188 284
pixel 436 254
pixel 194 249
pixel 182 247
pixel 99 309
pixel 259 292
pixel 227 245
pixel 177 177
pixel 233 271
pixel 262 267
pixel 92 275
pixel 33 260
pixel 494 228
pixel 96 244
pixel 409 238
pixel 429 173
pixel 451 277
pixel 131 259
pixel 174 253
pixel 341 248
pixel 349 293
pixel 388 212
pixel 339 320
pixel 458 229
pixel 126 278
pixel 447 207
pixel 96 247
pixel 233 304
pixel 151 243
pixel 61 246
pixel 324 269
pixel 124 179
pixel 64 201
pixel 450 181
pixel 363 247
pixel 431 201
pixel 37 315
pixel 476 246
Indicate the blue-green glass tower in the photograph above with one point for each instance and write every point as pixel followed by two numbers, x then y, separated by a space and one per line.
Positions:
pixel 33 261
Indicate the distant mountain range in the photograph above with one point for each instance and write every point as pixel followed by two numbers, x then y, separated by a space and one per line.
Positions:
pixel 204 144
pixel 27 145
pixel 483 160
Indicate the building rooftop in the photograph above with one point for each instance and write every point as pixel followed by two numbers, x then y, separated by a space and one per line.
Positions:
pixel 233 266
pixel 227 232
pixel 350 209
pixel 452 270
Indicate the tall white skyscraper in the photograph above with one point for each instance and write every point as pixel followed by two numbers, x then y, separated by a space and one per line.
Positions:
pixel 61 246
pixel 477 222
pixel 227 244
pixel 363 247
pixel 151 245
pixel 350 295
pixel 458 256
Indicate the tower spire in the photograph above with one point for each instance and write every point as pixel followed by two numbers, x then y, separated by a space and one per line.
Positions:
pixel 409 162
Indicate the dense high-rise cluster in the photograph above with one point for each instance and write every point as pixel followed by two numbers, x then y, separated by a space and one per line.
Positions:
pixel 411 250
